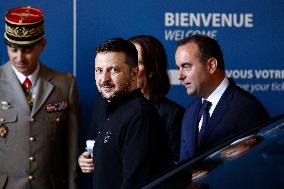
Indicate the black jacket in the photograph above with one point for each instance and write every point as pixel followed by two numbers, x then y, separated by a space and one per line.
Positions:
pixel 130 144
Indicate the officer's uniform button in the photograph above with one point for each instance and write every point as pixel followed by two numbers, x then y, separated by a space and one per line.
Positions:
pixel 32 120
pixel 31 178
pixel 57 119
pixel 31 158
pixel 2 120
pixel 32 139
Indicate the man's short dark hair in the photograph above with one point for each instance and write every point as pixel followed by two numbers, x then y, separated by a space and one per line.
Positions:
pixel 208 48
pixel 120 45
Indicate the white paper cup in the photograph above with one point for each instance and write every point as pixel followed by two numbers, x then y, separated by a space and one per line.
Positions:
pixel 90 146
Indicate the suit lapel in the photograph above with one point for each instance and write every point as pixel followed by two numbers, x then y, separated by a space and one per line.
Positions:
pixel 44 89
pixel 192 126
pixel 222 107
pixel 17 93
pixel 196 122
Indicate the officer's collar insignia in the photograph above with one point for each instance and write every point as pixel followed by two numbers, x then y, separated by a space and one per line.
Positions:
pixel 5 105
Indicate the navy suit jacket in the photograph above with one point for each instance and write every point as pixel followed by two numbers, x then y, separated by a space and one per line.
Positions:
pixel 236 111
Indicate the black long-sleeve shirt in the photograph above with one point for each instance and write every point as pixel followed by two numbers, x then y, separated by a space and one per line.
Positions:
pixel 130 146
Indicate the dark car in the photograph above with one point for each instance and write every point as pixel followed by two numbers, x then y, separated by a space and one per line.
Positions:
pixel 251 160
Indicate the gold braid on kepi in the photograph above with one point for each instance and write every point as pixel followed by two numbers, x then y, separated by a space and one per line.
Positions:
pixel 24 26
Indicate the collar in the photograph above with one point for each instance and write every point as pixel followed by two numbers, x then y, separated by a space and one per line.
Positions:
pixel 216 95
pixel 32 77
pixel 113 105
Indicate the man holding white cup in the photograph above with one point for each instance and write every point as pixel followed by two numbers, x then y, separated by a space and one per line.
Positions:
pixel 86 160
pixel 130 145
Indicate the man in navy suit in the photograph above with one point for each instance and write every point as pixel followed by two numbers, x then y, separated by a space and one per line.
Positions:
pixel 231 109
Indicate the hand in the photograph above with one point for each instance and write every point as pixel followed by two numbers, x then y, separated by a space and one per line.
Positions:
pixel 85 162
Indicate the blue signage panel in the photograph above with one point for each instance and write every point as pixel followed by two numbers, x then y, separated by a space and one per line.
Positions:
pixel 249 32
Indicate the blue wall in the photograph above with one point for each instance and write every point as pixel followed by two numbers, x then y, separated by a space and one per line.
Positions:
pixel 252 47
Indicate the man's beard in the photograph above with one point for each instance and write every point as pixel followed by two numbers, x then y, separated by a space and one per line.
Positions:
pixel 125 89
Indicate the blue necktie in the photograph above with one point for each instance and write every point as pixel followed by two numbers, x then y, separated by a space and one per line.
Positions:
pixel 204 112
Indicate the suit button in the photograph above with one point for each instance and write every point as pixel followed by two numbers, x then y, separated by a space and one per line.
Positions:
pixel 2 120
pixel 32 139
pixel 31 178
pixel 57 119
pixel 32 120
pixel 31 158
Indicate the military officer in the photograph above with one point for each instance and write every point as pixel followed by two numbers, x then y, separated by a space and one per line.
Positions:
pixel 38 111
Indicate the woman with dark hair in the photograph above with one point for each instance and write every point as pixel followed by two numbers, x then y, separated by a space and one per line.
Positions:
pixel 153 79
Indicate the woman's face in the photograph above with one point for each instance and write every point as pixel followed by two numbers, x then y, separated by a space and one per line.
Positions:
pixel 141 74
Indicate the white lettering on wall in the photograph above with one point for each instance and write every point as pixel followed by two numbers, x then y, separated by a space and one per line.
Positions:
pixel 215 20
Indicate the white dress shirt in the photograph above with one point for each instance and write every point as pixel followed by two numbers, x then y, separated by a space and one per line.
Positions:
pixel 32 77
pixel 215 97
